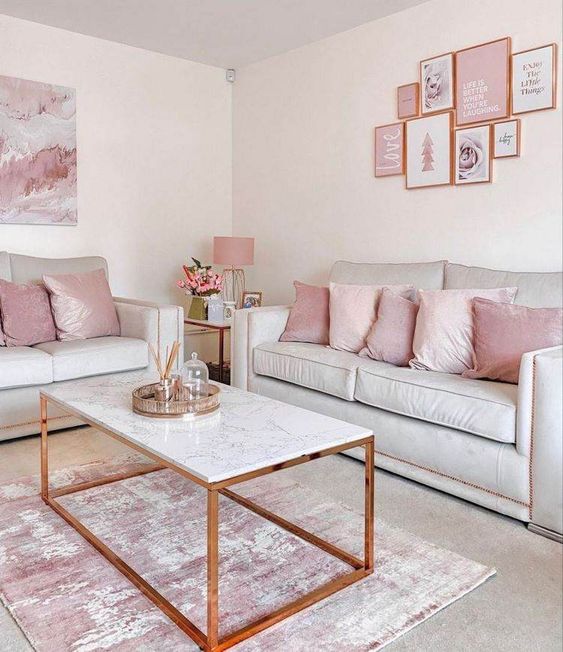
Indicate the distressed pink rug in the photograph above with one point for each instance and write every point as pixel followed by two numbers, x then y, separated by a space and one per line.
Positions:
pixel 65 596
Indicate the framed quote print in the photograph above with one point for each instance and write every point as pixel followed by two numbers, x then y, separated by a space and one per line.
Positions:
pixel 533 79
pixel 408 99
pixel 472 155
pixel 506 138
pixel 429 150
pixel 389 150
pixel 482 82
pixel 437 83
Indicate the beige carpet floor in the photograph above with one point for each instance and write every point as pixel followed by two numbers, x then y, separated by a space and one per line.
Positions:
pixel 520 610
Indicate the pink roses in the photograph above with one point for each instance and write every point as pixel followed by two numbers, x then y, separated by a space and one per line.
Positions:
pixel 200 280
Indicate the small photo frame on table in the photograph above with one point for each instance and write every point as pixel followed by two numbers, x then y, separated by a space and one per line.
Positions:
pixel 534 79
pixel 483 82
pixel 506 138
pixel 472 154
pixel 408 101
pixel 428 143
pixel 251 299
pixel 437 83
pixel 389 150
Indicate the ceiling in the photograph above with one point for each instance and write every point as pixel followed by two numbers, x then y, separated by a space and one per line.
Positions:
pixel 225 33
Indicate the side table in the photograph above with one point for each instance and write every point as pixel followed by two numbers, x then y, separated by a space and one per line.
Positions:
pixel 220 327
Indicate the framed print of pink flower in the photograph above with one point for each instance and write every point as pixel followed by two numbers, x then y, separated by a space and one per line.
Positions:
pixel 473 155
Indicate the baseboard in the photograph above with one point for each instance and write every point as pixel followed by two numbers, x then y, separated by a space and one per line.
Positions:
pixel 544 532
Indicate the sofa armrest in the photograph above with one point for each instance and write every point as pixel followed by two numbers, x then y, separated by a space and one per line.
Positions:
pixel 540 433
pixel 157 324
pixel 250 328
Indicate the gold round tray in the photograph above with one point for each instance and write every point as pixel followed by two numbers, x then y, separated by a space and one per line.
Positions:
pixel 144 403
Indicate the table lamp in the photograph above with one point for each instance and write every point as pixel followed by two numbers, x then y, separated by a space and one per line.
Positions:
pixel 233 252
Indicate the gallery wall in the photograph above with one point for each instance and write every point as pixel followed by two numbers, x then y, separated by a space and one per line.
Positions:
pixel 154 155
pixel 303 160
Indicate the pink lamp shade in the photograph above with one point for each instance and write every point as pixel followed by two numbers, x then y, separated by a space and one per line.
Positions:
pixel 233 251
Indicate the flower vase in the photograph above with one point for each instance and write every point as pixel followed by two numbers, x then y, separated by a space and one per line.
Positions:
pixel 198 308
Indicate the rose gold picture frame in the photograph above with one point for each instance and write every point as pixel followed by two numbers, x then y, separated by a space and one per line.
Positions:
pixel 452 104
pixel 252 293
pixel 518 131
pixel 401 170
pixel 490 143
pixel 451 145
pixel 553 79
pixel 416 91
pixel 508 82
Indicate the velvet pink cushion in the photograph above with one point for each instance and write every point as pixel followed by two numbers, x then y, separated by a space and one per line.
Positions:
pixel 309 317
pixel 503 333
pixel 390 337
pixel 82 305
pixel 443 337
pixel 26 314
pixel 352 313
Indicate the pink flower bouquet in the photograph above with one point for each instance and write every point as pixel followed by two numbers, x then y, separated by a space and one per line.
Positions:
pixel 200 280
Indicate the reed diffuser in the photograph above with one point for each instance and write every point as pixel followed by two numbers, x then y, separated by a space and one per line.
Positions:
pixel 166 388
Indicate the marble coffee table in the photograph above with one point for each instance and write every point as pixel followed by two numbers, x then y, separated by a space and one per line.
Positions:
pixel 249 437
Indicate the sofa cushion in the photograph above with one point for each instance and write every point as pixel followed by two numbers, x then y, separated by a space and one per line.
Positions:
pixel 479 407
pixel 100 355
pixel 535 289
pixel 309 365
pixel 21 366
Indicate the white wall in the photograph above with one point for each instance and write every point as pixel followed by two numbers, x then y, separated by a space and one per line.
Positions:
pixel 154 155
pixel 303 181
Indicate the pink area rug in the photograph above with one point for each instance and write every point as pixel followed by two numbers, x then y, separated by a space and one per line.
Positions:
pixel 67 597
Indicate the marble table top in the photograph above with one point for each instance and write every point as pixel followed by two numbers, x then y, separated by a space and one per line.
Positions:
pixel 248 433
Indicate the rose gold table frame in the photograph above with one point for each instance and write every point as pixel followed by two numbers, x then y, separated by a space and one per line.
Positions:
pixel 211 641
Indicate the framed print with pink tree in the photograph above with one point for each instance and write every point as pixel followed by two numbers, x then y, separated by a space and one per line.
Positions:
pixel 429 150
pixel 483 82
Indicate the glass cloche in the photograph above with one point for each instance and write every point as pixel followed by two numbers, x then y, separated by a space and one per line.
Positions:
pixel 195 377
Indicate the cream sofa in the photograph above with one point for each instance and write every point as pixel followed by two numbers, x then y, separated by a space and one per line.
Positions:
pixel 25 370
pixel 495 444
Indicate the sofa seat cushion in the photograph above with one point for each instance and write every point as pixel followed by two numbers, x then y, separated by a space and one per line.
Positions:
pixel 99 355
pixel 309 365
pixel 21 366
pixel 479 407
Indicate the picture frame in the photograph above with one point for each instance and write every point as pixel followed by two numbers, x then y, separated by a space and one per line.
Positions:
pixel 428 150
pixel 252 299
pixel 390 149
pixel 408 100
pixel 483 82
pixel 506 138
pixel 437 83
pixel 472 155
pixel 534 79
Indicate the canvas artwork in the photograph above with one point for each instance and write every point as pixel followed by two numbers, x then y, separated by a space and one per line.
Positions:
pixel 389 150
pixel 473 155
pixel 533 79
pixel 482 82
pixel 506 138
pixel 437 83
pixel 37 153
pixel 428 145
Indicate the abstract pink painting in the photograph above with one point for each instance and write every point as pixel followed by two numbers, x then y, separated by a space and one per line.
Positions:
pixel 37 153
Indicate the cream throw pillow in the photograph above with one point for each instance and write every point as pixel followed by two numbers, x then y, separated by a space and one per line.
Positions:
pixel 352 313
pixel 443 337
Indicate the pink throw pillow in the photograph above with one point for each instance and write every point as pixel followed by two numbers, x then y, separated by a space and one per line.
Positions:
pixel 309 318
pixel 390 338
pixel 352 313
pixel 26 314
pixel 82 305
pixel 503 333
pixel 443 337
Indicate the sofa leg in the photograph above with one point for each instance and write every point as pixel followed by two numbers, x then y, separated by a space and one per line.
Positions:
pixel 544 532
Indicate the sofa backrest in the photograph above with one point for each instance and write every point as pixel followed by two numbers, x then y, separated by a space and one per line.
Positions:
pixel 535 289
pixel 425 276
pixel 29 269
